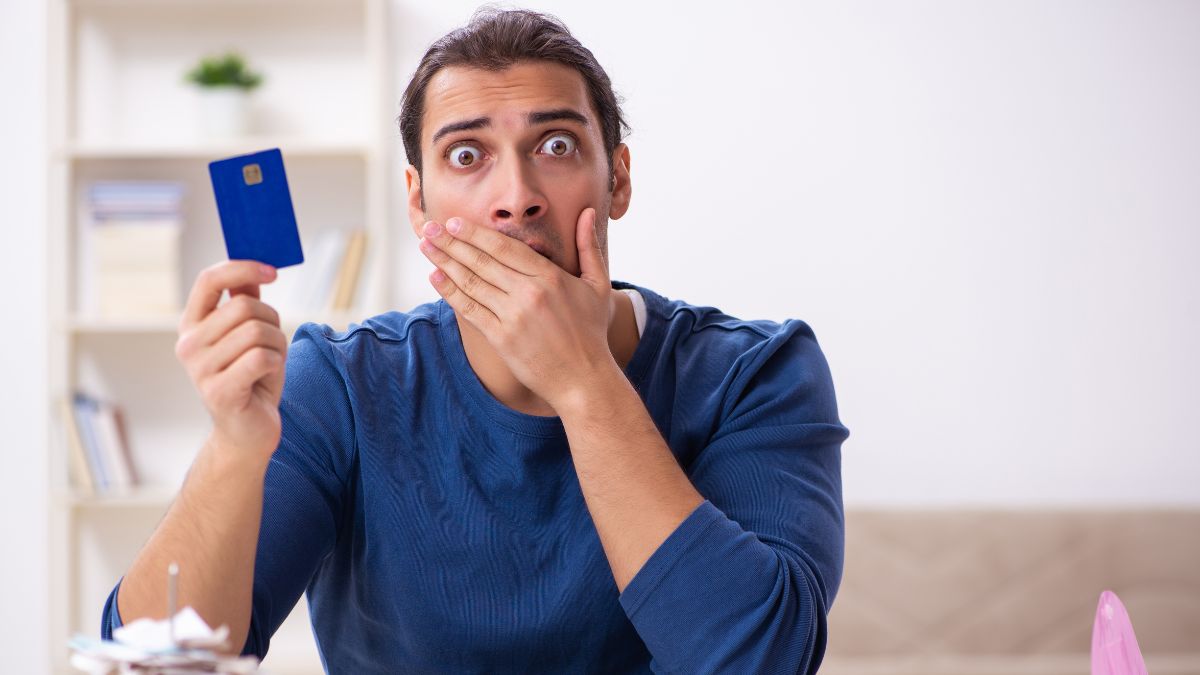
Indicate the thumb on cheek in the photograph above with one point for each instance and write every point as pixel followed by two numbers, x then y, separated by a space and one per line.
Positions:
pixel 591 258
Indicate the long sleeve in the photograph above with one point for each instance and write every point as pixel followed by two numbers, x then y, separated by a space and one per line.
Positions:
pixel 744 584
pixel 303 489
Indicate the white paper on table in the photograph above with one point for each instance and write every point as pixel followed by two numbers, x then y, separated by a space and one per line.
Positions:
pixel 155 636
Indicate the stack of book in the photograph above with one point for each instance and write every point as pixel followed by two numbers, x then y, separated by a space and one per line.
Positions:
pixel 134 235
pixel 329 279
pixel 98 445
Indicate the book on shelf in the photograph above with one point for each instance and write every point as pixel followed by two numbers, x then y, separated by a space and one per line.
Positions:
pixel 77 461
pixel 131 261
pixel 346 286
pixel 98 446
pixel 328 281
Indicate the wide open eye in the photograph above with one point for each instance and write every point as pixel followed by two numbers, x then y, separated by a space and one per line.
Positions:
pixel 462 156
pixel 559 145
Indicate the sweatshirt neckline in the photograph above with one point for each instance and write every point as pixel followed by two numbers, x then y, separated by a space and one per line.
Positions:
pixel 541 425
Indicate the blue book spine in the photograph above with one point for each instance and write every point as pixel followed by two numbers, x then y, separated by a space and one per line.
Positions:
pixel 85 409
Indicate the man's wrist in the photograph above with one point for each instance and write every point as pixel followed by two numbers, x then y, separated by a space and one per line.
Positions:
pixel 593 393
pixel 230 460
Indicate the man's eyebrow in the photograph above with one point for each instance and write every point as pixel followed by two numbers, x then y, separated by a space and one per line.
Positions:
pixel 537 117
pixel 555 115
pixel 465 125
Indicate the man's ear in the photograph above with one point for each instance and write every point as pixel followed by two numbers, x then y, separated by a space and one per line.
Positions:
pixel 416 210
pixel 621 187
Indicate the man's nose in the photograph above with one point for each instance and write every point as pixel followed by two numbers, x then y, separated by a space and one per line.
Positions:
pixel 519 198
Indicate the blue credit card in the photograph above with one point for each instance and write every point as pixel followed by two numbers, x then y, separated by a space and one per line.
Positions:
pixel 256 211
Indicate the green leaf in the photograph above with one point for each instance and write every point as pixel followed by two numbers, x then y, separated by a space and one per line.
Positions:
pixel 226 70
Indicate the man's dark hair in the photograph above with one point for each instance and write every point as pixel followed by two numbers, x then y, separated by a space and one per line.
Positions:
pixel 496 39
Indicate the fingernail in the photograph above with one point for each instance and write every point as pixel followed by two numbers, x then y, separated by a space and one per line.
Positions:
pixel 266 271
pixel 432 229
pixel 454 225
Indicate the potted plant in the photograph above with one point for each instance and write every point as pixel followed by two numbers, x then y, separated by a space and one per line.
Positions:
pixel 224 84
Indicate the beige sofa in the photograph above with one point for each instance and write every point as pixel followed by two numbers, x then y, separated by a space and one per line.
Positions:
pixel 1000 592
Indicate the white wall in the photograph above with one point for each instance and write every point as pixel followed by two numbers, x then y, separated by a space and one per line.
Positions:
pixel 23 617
pixel 988 212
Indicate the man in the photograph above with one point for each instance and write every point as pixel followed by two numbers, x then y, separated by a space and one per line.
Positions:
pixel 544 471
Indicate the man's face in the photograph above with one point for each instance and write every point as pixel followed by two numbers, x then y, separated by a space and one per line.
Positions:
pixel 519 151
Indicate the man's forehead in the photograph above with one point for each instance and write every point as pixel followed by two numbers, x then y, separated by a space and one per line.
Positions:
pixel 459 93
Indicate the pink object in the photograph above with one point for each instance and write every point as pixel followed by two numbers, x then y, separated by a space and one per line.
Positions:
pixel 1114 646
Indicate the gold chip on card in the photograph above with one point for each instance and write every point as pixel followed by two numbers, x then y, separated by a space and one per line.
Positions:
pixel 252 173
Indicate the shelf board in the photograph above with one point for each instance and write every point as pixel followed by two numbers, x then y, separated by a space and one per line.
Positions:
pixel 140 497
pixel 208 4
pixel 148 324
pixel 154 325
pixel 216 149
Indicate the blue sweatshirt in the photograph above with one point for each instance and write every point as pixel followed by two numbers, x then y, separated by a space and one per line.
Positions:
pixel 437 530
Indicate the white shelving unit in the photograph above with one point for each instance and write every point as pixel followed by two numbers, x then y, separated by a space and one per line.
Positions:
pixel 120 110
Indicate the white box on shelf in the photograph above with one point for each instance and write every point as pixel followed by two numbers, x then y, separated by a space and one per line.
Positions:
pixel 137 268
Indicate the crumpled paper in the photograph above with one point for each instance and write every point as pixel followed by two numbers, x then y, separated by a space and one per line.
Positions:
pixel 155 636
pixel 145 647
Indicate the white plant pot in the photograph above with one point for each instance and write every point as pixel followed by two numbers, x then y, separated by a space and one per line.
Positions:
pixel 224 112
